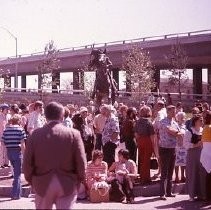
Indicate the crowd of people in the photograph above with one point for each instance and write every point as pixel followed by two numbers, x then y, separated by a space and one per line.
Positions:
pixel 110 146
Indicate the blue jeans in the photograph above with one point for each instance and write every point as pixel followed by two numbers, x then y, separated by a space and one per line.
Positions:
pixel 15 157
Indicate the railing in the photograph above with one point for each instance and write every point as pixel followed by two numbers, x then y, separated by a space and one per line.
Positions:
pixel 44 90
pixel 80 91
pixel 150 38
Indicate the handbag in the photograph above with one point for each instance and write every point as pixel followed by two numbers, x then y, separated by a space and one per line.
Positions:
pixel 153 162
pixel 99 192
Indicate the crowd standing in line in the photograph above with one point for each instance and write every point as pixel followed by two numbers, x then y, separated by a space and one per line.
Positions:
pixel 98 135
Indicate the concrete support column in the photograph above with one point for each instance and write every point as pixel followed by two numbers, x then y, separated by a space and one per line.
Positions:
pixel 23 82
pixel 76 80
pixel 209 80
pixel 156 78
pixel 39 81
pixel 197 81
pixel 115 73
pixel 55 82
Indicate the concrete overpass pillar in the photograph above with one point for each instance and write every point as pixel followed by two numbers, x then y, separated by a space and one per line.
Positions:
pixel 209 80
pixel 55 82
pixel 197 81
pixel 23 82
pixel 39 81
pixel 115 73
pixel 75 80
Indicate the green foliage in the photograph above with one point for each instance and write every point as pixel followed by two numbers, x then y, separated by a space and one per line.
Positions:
pixel 177 60
pixel 4 74
pixel 139 71
pixel 86 83
pixel 50 63
pixel 4 81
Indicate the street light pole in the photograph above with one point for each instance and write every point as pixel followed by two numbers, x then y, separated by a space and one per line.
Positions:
pixel 16 55
pixel 16 63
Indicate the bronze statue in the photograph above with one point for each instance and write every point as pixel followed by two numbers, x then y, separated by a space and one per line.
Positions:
pixel 105 85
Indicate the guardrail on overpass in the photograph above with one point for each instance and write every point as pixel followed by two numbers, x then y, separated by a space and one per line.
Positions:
pixel 143 39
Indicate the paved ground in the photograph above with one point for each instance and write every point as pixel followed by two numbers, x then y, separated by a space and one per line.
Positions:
pixel 141 203
pixel 180 202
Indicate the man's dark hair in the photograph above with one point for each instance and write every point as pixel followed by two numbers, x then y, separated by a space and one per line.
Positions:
pixel 54 111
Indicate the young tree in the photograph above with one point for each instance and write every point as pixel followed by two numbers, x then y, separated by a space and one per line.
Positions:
pixel 47 69
pixel 4 81
pixel 67 84
pixel 139 72
pixel 87 80
pixel 177 60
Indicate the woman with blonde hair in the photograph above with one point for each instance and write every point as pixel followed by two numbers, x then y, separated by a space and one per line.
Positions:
pixel 13 138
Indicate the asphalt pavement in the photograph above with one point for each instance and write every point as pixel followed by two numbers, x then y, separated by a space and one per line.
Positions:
pixel 180 202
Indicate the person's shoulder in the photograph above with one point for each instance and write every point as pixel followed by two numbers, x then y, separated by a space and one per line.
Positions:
pixel 188 131
pixel 104 163
pixel 89 163
pixel 97 116
pixel 113 119
pixel 164 120
pixel 18 127
pixel 68 130
pixel 74 132
pixel 131 161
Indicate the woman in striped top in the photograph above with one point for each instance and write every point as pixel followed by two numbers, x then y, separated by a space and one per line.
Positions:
pixel 96 169
pixel 13 138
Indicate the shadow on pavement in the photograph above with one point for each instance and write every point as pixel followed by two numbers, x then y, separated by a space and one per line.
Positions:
pixel 7 199
pixel 186 205
pixel 147 200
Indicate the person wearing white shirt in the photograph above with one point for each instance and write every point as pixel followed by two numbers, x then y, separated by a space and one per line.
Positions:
pixel 36 118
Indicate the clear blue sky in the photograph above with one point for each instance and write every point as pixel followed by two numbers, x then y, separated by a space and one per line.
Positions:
pixel 78 22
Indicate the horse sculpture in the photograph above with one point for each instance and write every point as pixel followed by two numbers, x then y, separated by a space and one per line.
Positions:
pixel 105 85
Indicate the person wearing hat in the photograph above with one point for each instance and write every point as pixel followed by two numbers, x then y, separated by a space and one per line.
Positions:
pixel 4 119
pixel 84 125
